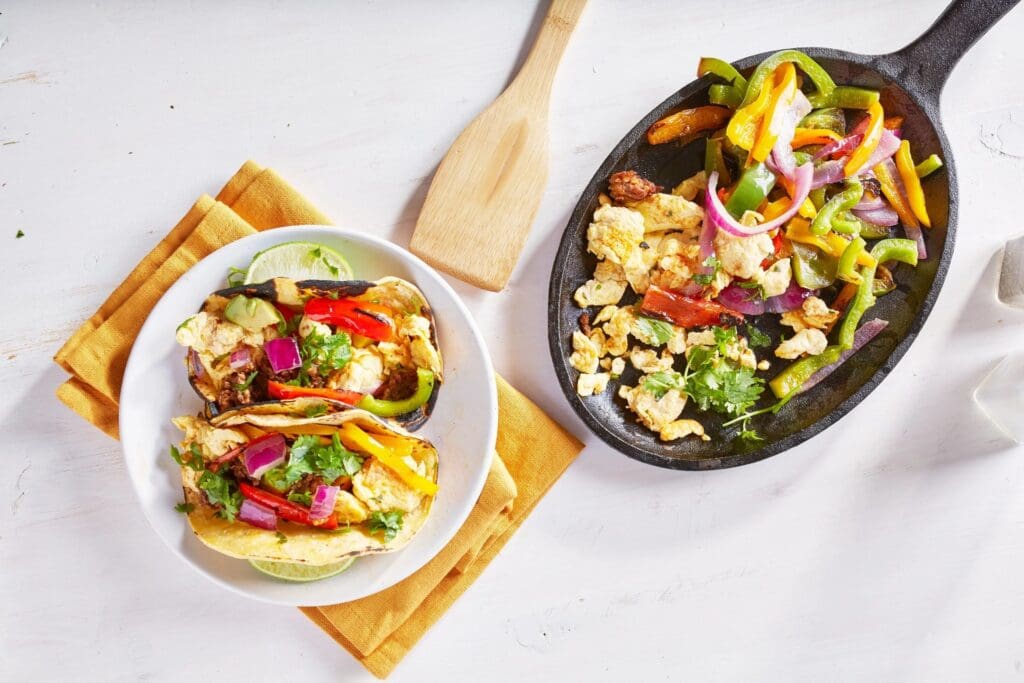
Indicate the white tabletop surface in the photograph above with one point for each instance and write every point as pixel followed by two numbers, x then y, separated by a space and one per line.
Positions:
pixel 891 547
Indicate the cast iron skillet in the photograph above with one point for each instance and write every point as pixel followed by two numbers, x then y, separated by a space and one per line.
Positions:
pixel 910 82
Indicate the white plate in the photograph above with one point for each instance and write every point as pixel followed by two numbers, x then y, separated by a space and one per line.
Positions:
pixel 463 426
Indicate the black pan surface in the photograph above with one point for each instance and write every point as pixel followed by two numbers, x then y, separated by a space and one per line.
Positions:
pixel 910 82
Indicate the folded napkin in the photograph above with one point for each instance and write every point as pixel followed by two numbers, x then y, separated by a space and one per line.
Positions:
pixel 533 450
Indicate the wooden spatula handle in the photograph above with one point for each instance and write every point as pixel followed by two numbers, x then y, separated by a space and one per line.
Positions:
pixel 538 72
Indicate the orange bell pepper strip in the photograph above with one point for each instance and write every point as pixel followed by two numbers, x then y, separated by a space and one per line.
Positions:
pixel 893 122
pixel 782 95
pixel 873 134
pixel 687 122
pixel 892 192
pixel 814 136
pixel 915 194
pixel 743 126
pixel 775 209
pixel 355 438
pixel 282 391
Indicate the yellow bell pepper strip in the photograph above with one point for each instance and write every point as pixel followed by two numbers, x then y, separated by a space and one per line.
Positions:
pixel 915 195
pixel 829 217
pixel 687 122
pixel 399 445
pixel 822 81
pixel 891 190
pixel 798 230
pixel 846 97
pixel 872 135
pixel 773 210
pixel 743 126
pixel 814 136
pixel 355 438
pixel 848 261
pixel 382 408
pixel 781 97
pixel 928 166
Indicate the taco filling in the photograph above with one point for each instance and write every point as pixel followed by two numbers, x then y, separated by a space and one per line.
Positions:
pixel 368 344
pixel 277 486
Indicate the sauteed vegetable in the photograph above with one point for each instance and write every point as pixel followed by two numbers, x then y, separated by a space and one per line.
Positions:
pixel 795 223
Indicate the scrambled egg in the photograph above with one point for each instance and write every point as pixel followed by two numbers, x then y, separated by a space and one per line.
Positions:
pixel 349 509
pixel 380 489
pixel 590 384
pixel 652 412
pixel 742 256
pixel 689 188
pixel 775 280
pixel 737 350
pixel 682 428
pixel 212 336
pixel 586 352
pixel 213 441
pixel 364 373
pixel 813 314
pixel 648 361
pixel 597 293
pixel 615 233
pixel 308 327
pixel 668 212
pixel 808 341
pixel 417 329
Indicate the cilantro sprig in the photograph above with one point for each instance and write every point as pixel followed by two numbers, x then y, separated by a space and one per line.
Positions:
pixel 308 456
pixel 386 523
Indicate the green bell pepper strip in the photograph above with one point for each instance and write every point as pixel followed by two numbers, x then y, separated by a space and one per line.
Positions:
pixel 817 197
pixel 715 161
pixel 847 269
pixel 752 189
pixel 723 69
pixel 382 408
pixel 829 118
pixel 928 166
pixel 811 268
pixel 794 376
pixel 725 95
pixel 822 81
pixel 845 97
pixel 829 218
pixel 867 230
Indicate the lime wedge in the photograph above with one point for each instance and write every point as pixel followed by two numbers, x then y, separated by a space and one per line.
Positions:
pixel 301 572
pixel 298 261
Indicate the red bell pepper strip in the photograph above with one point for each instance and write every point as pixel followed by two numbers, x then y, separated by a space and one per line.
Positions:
pixel 282 391
pixel 286 509
pixel 686 311
pixel 359 317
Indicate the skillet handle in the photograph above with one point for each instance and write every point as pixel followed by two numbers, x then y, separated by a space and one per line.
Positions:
pixel 926 63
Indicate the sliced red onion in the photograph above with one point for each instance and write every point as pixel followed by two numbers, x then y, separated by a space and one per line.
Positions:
pixel 790 300
pixel 870 203
pixel 828 172
pixel 240 358
pixel 707 248
pixel 745 301
pixel 884 216
pixel 784 124
pixel 887 146
pixel 257 515
pixel 723 220
pixel 847 144
pixel 263 454
pixel 283 354
pixel 323 501
pixel 195 363
pixel 864 334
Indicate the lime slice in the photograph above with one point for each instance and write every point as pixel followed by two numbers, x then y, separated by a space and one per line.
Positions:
pixel 298 261
pixel 301 572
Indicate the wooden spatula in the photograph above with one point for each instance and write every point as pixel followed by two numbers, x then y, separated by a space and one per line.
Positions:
pixel 486 192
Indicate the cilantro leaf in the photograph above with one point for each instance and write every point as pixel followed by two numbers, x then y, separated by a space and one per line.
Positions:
pixel 185 508
pixel 706 279
pixel 193 458
pixel 281 538
pixel 724 387
pixel 248 381
pixel 221 492
pixel 317 410
pixel 653 332
pixel 326 352
pixel 335 460
pixel 18 235
pixel 660 383
pixel 389 523
pixel 756 338
pixel 750 435
pixel 301 497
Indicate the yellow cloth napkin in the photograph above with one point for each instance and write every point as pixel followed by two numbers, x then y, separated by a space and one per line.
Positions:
pixel 534 450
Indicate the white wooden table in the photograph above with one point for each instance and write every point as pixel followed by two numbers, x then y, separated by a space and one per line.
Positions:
pixel 891 547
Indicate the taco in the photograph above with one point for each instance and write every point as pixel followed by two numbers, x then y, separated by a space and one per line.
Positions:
pixel 368 344
pixel 266 484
